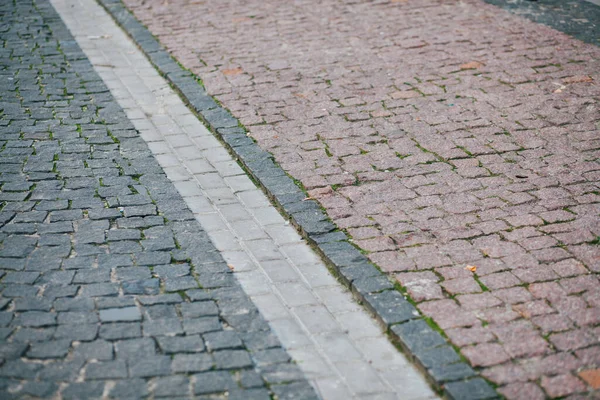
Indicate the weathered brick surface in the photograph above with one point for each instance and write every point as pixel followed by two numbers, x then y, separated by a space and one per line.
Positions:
pixel 100 258
pixel 442 136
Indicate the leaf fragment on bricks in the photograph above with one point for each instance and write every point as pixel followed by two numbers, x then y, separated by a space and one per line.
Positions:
pixel 560 89
pixel 232 71
pixel 578 79
pixel 471 65
pixel 471 268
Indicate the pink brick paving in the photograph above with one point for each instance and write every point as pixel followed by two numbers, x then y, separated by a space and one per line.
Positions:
pixel 439 135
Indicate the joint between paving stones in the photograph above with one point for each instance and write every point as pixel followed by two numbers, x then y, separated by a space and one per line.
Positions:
pixel 442 365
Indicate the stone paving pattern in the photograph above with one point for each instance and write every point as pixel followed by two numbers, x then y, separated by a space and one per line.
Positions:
pixel 109 286
pixel 441 137
pixel 396 316
pixel 338 346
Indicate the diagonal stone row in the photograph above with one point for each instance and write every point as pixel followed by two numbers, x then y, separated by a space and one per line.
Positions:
pixel 109 287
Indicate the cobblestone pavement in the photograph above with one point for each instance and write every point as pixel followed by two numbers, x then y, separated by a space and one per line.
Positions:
pixel 455 142
pixel 340 349
pixel 101 260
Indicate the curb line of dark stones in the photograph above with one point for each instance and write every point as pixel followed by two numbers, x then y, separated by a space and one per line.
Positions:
pixel 439 361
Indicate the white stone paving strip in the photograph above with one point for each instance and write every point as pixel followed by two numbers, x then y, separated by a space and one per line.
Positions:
pixel 336 343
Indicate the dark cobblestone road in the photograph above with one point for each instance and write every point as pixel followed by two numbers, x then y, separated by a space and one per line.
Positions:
pixel 101 262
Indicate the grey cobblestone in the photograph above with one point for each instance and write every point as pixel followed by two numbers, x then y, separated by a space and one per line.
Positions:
pixel 92 237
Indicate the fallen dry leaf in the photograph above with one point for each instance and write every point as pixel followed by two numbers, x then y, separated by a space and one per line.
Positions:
pixel 471 268
pixel 318 193
pixel 232 71
pixel 578 79
pixel 560 89
pixel 472 65
pixel 592 377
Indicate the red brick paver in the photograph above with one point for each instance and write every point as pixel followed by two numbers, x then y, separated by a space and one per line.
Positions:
pixel 455 142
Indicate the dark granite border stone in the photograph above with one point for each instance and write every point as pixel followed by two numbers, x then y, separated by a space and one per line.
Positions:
pixel 432 353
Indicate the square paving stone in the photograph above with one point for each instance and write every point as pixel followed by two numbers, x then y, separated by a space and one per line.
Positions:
pixel 81 332
pixel 133 273
pixel 83 390
pixel 437 356
pixel 20 369
pixel 201 325
pixel 171 386
pixel 31 304
pixel 73 304
pixel 150 366
pixel 199 309
pixel 114 302
pixel 11 351
pixel 129 389
pixel 213 382
pixel 172 270
pixel 170 326
pixel 160 312
pixel 35 319
pixel 181 344
pixel 40 389
pixel 51 349
pixel 143 286
pixel 452 372
pixel 100 350
pixel 120 330
pixel 135 348
pixel 232 359
pixel 192 362
pixel 181 283
pixel 77 317
pixel 120 314
pixel 222 340
pixel 106 370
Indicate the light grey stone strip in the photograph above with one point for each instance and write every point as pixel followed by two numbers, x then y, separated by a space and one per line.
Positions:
pixel 337 344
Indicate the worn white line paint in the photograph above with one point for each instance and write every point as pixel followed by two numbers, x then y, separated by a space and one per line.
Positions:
pixel 336 343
